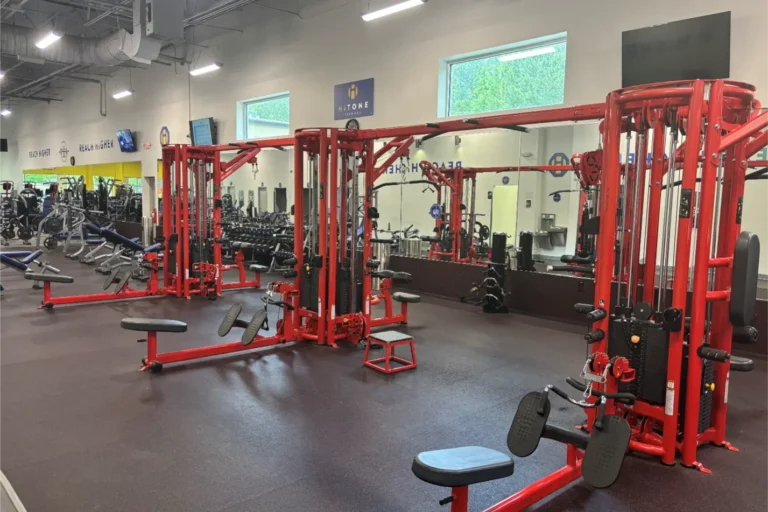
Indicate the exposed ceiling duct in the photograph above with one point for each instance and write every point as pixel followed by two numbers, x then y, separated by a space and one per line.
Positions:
pixel 112 50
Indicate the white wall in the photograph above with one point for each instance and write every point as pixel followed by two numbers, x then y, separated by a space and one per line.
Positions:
pixel 308 57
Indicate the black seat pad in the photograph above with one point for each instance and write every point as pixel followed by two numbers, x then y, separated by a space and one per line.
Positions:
pixel 406 297
pixel 153 324
pixel 457 467
pixel 432 239
pixel 741 364
pixel 51 278
pixel 259 268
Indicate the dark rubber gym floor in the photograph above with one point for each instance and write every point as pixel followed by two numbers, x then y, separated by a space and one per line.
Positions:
pixel 305 428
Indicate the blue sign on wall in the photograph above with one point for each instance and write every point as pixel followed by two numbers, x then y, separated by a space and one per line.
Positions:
pixel 556 197
pixel 435 211
pixel 505 180
pixel 165 136
pixel 353 99
pixel 559 159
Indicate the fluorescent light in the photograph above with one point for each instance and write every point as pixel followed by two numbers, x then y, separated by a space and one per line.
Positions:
pixel 48 40
pixel 527 53
pixel 122 94
pixel 5 112
pixel 392 9
pixel 1 75
pixel 205 69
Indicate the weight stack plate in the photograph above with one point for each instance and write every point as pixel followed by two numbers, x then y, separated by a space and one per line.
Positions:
pixel 648 357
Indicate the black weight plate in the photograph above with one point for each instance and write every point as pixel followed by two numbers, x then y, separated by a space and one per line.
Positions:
pixel 229 319
pixel 643 311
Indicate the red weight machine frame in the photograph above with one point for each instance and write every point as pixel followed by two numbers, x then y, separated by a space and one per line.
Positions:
pixel 455 180
pixel 208 172
pixel 729 119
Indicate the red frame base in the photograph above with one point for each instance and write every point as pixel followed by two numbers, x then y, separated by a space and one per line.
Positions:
pixel 389 356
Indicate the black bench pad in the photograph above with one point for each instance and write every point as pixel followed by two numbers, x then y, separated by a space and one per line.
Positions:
pixel 741 364
pixel 457 467
pixel 431 239
pixel 153 324
pixel 406 297
pixel 259 268
pixel 51 278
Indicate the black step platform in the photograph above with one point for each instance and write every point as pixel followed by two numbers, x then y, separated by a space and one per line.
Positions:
pixel 153 324
pixel 457 467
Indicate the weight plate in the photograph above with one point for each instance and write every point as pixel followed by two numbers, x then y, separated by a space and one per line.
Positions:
pixel 643 311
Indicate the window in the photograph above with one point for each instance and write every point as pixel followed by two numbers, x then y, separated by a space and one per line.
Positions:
pixel 264 117
pixel 524 75
pixel 40 179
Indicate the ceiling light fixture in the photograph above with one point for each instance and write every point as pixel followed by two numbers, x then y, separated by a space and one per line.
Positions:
pixel 205 69
pixel 392 9
pixel 535 52
pixel 122 94
pixel 48 40
pixel 5 112
pixel 1 75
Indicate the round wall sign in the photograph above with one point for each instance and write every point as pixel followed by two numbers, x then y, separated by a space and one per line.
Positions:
pixel 435 211
pixel 165 136
pixel 556 197
pixel 505 180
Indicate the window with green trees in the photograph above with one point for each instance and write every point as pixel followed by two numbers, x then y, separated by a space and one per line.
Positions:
pixel 267 117
pixel 507 78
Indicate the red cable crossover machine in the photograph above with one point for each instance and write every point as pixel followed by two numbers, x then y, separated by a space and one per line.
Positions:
pixel 657 378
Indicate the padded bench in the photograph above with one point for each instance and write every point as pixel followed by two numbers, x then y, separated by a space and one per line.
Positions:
pixel 259 268
pixel 48 278
pixel 459 467
pixel 408 298
pixel 153 324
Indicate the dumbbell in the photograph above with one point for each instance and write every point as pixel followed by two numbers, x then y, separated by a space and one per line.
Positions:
pixel 251 329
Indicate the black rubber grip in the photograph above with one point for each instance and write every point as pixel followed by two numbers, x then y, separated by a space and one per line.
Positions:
pixel 581 307
pixel 597 314
pixel 713 354
pixel 594 336
pixel 282 304
pixel 625 398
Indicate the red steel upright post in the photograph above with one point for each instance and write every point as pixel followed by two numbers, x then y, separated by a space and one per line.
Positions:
pixel 609 197
pixel 217 222
pixel 333 250
pixel 184 234
pixel 680 284
pixel 298 212
pixel 367 230
pixel 322 221
pixel 167 211
pixel 701 267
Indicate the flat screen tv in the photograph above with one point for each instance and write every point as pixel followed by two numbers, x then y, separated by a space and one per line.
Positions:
pixel 126 141
pixel 682 50
pixel 203 132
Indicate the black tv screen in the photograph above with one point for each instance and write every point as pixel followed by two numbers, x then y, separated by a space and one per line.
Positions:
pixel 682 50
pixel 125 141
pixel 202 132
